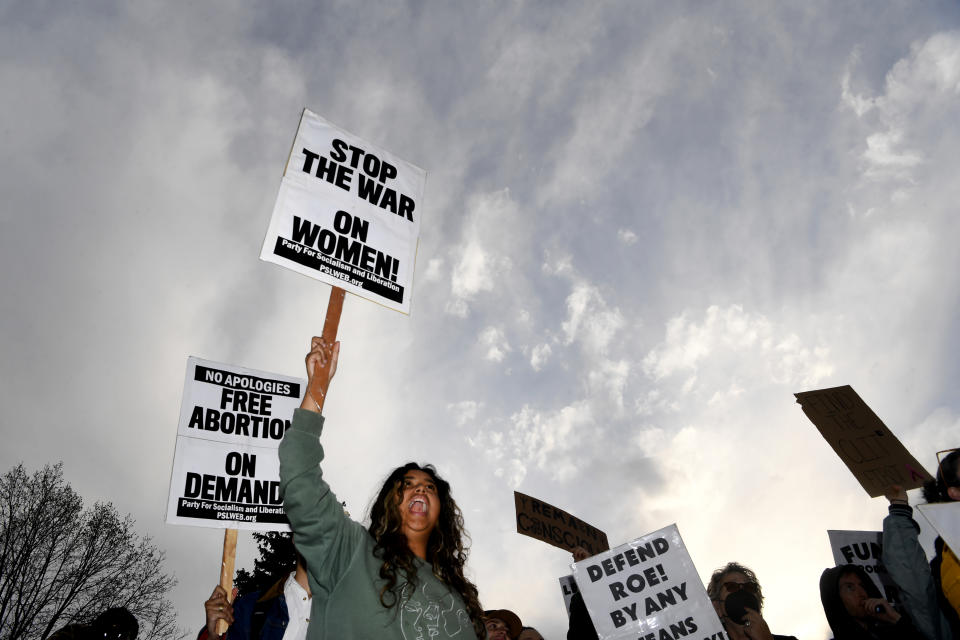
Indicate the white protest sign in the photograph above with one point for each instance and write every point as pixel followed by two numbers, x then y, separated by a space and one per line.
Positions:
pixel 568 586
pixel 945 518
pixel 226 472
pixel 864 549
pixel 219 485
pixel 234 404
pixel 647 589
pixel 348 214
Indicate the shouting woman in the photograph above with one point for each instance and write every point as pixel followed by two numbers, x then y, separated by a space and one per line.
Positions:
pixel 401 578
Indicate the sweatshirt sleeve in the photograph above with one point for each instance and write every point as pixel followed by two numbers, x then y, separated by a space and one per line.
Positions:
pixel 322 533
pixel 906 563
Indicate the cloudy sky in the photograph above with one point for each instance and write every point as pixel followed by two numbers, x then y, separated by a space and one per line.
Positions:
pixel 646 225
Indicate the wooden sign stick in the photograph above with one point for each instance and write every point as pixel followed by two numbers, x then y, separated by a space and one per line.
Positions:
pixel 226 570
pixel 330 326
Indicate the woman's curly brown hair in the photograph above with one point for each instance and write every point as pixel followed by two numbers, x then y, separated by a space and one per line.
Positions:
pixel 447 548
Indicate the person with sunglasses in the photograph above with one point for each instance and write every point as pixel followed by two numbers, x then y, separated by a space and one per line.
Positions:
pixel 741 621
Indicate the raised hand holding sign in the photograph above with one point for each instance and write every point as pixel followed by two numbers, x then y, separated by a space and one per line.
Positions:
pixel 321 366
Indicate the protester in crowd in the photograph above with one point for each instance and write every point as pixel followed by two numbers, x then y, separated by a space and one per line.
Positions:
pixel 580 625
pixel 282 612
pixel 746 622
pixel 501 624
pixel 402 577
pixel 856 610
pixel 906 563
pixel 116 623
pixel 930 592
pixel 945 566
pixel 529 633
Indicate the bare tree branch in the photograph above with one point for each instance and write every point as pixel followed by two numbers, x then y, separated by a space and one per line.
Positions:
pixel 63 564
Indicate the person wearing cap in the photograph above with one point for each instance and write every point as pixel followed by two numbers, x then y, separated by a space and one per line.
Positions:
pixel 732 578
pixel 502 624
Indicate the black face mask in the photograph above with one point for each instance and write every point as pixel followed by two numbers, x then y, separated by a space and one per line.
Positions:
pixel 737 603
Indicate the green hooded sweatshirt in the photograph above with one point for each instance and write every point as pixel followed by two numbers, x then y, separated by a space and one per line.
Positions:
pixel 341 567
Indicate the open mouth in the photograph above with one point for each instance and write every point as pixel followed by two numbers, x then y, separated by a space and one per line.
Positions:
pixel 418 505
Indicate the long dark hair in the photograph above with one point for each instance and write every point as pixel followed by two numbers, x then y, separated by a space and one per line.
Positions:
pixel 936 490
pixel 447 548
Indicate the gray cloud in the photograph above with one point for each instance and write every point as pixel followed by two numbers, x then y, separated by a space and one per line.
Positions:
pixel 645 228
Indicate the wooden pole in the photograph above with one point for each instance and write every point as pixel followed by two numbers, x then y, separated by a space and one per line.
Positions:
pixel 334 308
pixel 226 570
pixel 330 326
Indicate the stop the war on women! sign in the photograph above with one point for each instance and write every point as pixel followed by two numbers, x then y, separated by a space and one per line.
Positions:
pixel 647 589
pixel 226 472
pixel 348 214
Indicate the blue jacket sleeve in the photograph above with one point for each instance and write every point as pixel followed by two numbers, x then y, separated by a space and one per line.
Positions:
pixel 322 533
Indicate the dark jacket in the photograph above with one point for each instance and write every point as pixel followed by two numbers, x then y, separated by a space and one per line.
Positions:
pixel 581 626
pixel 945 607
pixel 257 617
pixel 844 626
pixel 906 563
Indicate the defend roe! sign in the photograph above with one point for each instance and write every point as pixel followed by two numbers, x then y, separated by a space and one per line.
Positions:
pixel 348 214
pixel 226 473
pixel 647 589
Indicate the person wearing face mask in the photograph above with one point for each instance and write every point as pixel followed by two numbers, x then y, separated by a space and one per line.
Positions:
pixel 398 579
pixel 738 600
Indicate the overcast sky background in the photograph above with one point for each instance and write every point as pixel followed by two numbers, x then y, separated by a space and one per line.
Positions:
pixel 646 225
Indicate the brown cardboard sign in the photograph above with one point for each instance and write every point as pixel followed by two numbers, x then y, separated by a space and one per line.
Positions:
pixel 869 449
pixel 537 519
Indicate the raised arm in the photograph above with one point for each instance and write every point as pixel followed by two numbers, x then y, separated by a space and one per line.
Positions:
pixel 906 562
pixel 322 532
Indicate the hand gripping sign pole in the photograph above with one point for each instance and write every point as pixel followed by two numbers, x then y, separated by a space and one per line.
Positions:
pixel 330 326
pixel 226 570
